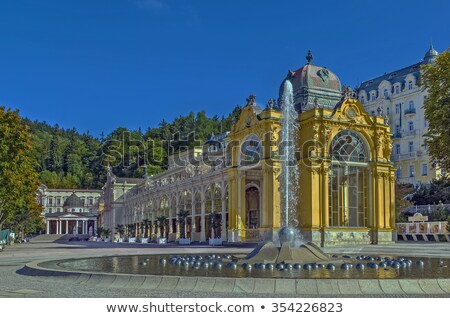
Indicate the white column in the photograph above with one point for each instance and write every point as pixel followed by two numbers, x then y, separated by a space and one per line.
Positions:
pixel 57 226
pixel 95 227
pixel 177 210
pixel 48 226
pixel 67 226
pixel 224 215
pixel 193 214
pixel 171 208
pixel 202 216
pixel 76 230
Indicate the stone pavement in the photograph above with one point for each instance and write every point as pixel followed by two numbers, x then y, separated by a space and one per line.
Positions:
pixel 20 275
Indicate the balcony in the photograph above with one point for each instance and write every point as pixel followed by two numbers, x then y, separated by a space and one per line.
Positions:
pixel 397 135
pixel 413 132
pixel 410 111
pixel 405 156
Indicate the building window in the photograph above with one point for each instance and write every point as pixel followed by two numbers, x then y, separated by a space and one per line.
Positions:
pixel 397 149
pixel 424 169
pixel 397 89
pixel 399 172
pixel 372 113
pixel 411 105
pixel 372 97
pixel 398 108
pixel 398 129
pixel 386 93
pixel 362 99
pixel 58 201
pixel 82 200
pixel 49 210
pixel 410 85
pixel 388 112
pixel 57 209
pixel 91 201
pixel 411 146
pixel 411 126
pixel 50 201
pixel 411 171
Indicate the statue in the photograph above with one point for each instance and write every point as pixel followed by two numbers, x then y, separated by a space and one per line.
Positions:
pixel 316 102
pixel 270 104
pixel 387 147
pixel 251 100
pixel 379 111
pixel 348 93
pixel 309 57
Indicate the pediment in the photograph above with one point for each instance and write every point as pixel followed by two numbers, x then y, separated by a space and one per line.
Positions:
pixel 351 110
pixel 247 119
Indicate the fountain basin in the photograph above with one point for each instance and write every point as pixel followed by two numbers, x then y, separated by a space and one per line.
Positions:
pixel 219 265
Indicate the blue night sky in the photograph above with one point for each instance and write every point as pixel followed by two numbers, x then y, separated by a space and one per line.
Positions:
pixel 100 64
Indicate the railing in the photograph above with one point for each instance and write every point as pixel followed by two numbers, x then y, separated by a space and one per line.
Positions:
pixel 408 155
pixel 411 132
pixel 397 135
pixel 410 111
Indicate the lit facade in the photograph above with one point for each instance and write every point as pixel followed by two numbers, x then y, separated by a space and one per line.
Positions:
pixel 398 97
pixel 345 188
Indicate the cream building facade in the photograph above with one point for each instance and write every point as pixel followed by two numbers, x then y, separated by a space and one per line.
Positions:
pixel 68 211
pixel 398 97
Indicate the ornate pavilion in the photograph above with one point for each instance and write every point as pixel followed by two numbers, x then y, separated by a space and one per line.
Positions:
pixel 346 184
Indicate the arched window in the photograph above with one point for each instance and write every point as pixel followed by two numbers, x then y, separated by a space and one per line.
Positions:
pixel 348 181
pixel 251 151
pixel 410 85
pixel 411 105
pixel 388 111
pixel 385 93
pixel 348 146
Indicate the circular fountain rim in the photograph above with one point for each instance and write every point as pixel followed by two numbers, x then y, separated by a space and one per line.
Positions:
pixel 38 266
pixel 312 287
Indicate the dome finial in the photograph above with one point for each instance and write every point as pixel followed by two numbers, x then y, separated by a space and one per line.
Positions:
pixel 309 57
pixel 430 55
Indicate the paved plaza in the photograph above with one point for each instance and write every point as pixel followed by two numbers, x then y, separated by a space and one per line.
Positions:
pixel 19 277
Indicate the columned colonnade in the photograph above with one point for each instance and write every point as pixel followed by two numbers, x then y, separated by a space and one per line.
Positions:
pixel 67 225
pixel 200 192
